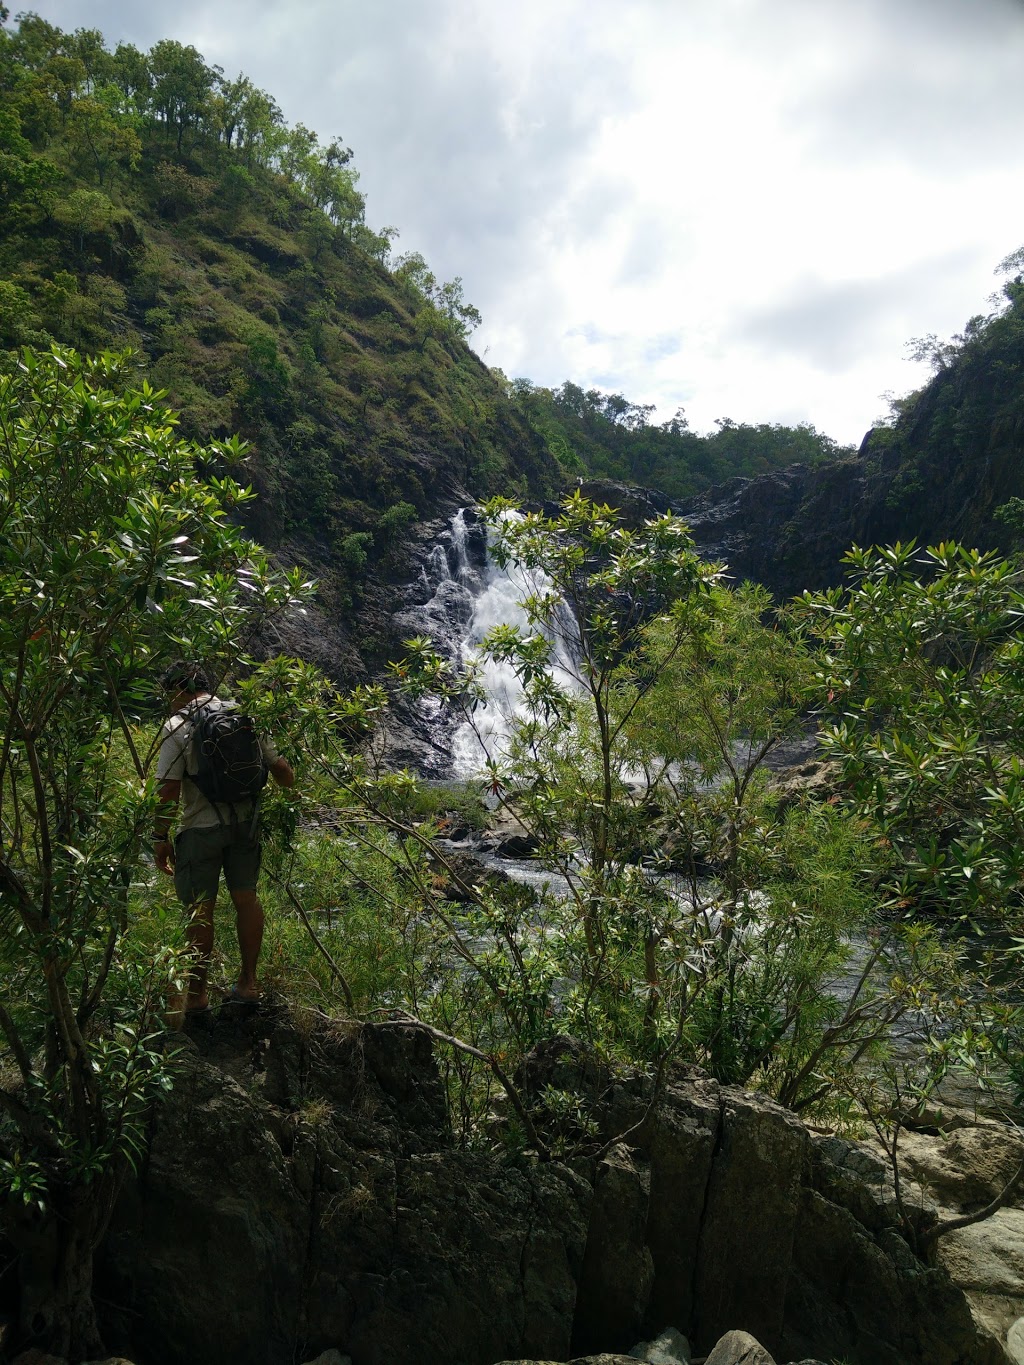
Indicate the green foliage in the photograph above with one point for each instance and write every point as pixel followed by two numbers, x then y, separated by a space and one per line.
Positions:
pixel 702 919
pixel 250 286
pixel 115 556
pixel 923 680
pixel 956 437
pixel 604 435
pixel 442 307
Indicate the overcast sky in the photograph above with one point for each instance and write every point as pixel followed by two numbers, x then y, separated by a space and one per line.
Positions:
pixel 741 207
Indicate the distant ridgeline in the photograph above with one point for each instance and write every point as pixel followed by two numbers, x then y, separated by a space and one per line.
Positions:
pixel 948 465
pixel 604 435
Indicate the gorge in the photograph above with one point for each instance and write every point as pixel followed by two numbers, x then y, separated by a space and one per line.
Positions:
pixel 467 1124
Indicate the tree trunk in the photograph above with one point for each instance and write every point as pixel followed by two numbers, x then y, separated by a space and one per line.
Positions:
pixel 55 1268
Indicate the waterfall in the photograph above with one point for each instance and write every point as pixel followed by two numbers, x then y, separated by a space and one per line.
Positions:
pixel 499 602
pixel 460 593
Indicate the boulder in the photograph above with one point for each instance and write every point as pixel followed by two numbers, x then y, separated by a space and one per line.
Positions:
pixel 681 1146
pixel 987 1261
pixel 1015 1342
pixel 739 1348
pixel 618 1270
pixel 749 1221
pixel 303 1193
pixel 966 1168
pixel 257 1231
pixel 957 1170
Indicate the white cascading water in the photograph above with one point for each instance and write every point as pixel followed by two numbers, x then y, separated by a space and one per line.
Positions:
pixel 497 595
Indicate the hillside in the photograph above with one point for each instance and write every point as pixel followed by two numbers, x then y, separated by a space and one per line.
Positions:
pixel 605 436
pixel 952 456
pixel 146 202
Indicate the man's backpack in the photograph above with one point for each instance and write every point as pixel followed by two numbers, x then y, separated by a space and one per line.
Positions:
pixel 225 751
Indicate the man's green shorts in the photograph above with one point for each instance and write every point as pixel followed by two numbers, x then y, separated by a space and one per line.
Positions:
pixel 201 854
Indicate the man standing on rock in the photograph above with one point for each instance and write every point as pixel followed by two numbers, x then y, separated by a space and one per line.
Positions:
pixel 204 746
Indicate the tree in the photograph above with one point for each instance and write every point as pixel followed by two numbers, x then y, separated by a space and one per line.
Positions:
pixel 100 133
pixel 182 85
pixel 702 917
pixel 26 181
pixel 115 555
pixel 247 117
pixel 923 678
pixel 130 72
pixel 443 308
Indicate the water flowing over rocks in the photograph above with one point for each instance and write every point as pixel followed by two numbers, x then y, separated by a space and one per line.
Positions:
pixel 457 596
pixel 450 568
pixel 303 1193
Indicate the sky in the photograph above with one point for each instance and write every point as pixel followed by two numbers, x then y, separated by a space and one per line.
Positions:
pixel 745 208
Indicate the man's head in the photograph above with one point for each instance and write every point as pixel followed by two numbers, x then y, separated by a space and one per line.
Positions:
pixel 186 678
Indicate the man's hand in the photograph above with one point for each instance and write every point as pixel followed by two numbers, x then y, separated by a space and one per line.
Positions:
pixel 163 856
pixel 282 772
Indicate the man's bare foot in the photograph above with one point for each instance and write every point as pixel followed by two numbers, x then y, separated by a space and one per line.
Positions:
pixel 196 1002
pixel 247 991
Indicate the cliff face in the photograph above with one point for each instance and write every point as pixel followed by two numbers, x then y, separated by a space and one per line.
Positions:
pixel 953 456
pixel 303 1191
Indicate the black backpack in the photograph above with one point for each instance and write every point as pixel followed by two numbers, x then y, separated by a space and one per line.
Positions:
pixel 229 763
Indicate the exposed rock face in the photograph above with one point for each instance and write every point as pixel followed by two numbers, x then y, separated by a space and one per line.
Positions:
pixel 320 1203
pixel 303 1192
pixel 939 475
pixel 961 1171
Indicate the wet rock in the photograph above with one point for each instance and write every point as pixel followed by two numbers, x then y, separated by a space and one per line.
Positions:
pixel 523 845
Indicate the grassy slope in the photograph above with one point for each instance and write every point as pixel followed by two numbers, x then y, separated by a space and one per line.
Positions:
pixel 365 411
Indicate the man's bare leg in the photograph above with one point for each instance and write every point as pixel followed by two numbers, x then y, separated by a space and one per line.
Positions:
pixel 249 921
pixel 199 935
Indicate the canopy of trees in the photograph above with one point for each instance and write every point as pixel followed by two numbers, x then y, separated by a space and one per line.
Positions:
pixel 604 435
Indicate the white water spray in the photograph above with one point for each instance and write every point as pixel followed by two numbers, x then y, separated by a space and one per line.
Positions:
pixel 499 602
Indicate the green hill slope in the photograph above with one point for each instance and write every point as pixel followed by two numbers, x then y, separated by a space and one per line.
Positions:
pixel 147 202
pixel 605 436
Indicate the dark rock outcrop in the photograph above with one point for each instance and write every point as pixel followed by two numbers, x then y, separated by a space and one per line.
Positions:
pixel 954 454
pixel 303 1191
pixel 313 1198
